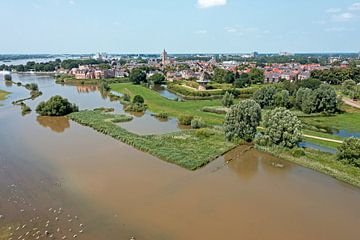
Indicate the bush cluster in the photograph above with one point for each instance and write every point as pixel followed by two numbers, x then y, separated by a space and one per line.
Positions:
pixel 185 119
pixel 56 106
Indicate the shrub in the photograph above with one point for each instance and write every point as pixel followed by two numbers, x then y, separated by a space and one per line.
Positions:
pixel 242 120
pixel 163 115
pixel 138 99
pixel 25 109
pixel 298 152
pixel 192 84
pixel 126 97
pixel 203 132
pixel 56 106
pixel 135 107
pixel 349 152
pixel 32 86
pixel 197 123
pixel 263 140
pixel 228 100
pixel 186 119
pixel 104 86
pixel 283 128
pixel 217 110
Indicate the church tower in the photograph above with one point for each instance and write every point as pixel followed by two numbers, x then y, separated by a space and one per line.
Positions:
pixel 164 57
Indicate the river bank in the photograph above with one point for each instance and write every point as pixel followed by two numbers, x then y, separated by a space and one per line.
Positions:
pixel 319 161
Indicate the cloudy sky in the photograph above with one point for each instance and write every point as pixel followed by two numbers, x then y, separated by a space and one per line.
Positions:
pixel 180 26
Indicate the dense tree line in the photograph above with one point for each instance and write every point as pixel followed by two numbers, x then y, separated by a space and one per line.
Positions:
pixel 53 65
pixel 255 76
pixel 337 75
pixel 308 96
pixel 33 66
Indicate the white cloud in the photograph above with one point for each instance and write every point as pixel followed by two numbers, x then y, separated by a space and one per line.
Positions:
pixel 210 3
pixel 231 30
pixel 333 10
pixel 355 6
pixel 344 17
pixel 338 29
pixel 201 31
pixel 72 2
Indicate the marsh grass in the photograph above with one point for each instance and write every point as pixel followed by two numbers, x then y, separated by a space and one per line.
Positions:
pixel 185 148
pixel 3 95
pixel 319 161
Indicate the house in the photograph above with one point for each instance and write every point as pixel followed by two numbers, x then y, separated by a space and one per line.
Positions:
pixel 272 77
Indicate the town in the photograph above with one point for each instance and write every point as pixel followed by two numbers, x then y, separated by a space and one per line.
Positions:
pixel 180 120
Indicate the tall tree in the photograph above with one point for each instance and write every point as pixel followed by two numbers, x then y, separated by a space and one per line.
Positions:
pixel 242 120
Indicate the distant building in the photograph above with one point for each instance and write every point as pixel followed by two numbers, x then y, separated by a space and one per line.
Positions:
pixel 286 54
pixel 344 64
pixel 164 57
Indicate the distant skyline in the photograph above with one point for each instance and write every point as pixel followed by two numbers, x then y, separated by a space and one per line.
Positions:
pixel 179 26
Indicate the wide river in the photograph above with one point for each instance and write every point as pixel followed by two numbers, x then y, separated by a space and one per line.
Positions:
pixel 61 180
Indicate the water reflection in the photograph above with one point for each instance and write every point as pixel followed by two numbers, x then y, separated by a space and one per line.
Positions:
pixel 56 124
pixel 146 124
pixel 8 83
pixel 317 147
pixel 248 163
pixel 87 89
pixel 162 90
pixel 346 134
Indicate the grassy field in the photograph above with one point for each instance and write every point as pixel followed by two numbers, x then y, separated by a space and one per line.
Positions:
pixel 3 95
pixel 188 149
pixel 346 121
pixel 321 162
pixel 156 103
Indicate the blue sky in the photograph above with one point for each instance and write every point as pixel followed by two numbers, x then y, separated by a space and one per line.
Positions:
pixel 180 26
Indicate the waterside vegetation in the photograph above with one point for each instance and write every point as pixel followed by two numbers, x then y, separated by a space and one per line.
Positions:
pixel 190 149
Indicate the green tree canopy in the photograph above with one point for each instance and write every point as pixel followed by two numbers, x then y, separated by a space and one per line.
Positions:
pixel 157 78
pixel 349 152
pixel 56 106
pixel 242 120
pixel 137 76
pixel 282 128
pixel 265 96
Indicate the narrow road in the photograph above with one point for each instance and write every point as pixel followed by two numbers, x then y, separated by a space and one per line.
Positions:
pixel 323 139
pixel 318 138
pixel 350 102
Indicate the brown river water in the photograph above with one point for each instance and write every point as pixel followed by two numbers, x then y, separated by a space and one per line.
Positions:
pixel 59 179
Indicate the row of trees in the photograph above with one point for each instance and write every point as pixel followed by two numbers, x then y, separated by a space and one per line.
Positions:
pixel 337 75
pixel 52 65
pixel 351 89
pixel 224 76
pixel 313 98
pixel 138 76
pixel 282 128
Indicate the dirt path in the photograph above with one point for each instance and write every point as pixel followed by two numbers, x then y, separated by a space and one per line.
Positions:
pixel 350 102
pixel 323 139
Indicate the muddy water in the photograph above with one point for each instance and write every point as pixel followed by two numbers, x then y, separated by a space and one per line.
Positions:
pixel 117 192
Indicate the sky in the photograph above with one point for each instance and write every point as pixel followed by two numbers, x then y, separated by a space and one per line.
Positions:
pixel 180 26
